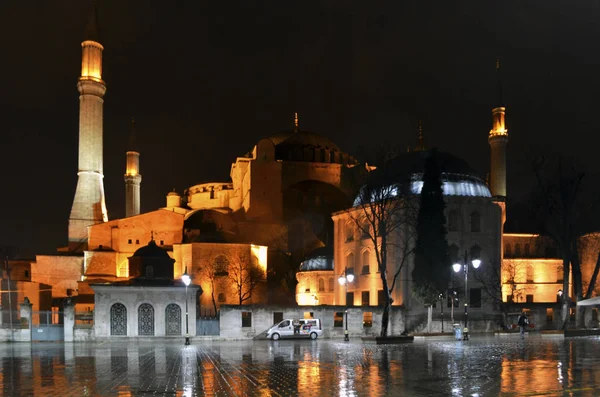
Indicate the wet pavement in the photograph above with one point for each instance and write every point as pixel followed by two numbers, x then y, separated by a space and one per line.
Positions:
pixel 483 366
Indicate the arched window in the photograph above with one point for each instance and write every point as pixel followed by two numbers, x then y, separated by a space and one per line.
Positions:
pixel 475 252
pixel 221 265
pixel 149 271
pixel 349 231
pixel 365 263
pixel 173 319
pixel 350 263
pixel 118 319
pixel 453 221
pixel 475 222
pixel 146 320
pixel 526 250
pixel 331 284
pixel 453 253
pixel 365 229
pixel 507 250
pixel 321 285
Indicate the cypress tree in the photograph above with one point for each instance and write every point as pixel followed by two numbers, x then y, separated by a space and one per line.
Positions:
pixel 432 271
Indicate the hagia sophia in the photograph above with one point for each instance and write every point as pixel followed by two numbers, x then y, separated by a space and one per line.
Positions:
pixel 287 211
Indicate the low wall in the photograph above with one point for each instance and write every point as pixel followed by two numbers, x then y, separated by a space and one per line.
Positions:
pixel 83 334
pixel 18 335
pixel 263 318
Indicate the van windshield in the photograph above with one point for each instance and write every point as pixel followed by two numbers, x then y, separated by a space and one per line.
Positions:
pixel 285 323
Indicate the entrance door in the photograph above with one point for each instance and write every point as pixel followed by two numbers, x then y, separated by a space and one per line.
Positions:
pixel 47 326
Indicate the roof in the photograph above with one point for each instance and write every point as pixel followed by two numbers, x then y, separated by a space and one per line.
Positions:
pixel 151 251
pixel 302 138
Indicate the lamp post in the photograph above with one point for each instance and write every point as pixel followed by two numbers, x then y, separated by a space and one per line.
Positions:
pixel 186 280
pixel 465 267
pixel 344 280
pixel 442 310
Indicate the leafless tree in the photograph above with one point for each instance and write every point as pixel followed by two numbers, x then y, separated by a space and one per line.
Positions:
pixel 245 274
pixel 207 272
pixel 385 212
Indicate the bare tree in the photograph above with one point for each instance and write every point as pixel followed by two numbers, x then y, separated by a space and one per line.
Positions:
pixel 208 273
pixel 561 207
pixel 245 274
pixel 385 212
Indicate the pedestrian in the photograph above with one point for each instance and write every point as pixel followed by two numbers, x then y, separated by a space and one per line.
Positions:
pixel 523 322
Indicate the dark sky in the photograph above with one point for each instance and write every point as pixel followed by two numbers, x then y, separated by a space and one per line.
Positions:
pixel 206 80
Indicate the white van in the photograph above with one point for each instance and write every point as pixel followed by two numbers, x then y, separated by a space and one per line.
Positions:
pixel 296 328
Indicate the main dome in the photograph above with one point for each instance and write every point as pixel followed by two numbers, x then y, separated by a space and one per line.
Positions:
pixel 458 178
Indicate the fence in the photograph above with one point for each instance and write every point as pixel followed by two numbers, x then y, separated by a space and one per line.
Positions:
pixel 208 325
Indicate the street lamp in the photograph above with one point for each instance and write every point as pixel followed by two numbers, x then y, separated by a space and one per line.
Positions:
pixel 442 310
pixel 465 267
pixel 344 280
pixel 186 280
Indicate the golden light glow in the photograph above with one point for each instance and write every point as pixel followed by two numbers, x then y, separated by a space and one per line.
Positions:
pixel 260 252
pixel 498 124
pixel 91 61
pixel 131 172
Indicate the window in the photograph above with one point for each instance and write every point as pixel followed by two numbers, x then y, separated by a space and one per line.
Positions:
pixel 129 241
pixel 26 273
pixel 338 319
pixel 453 221
pixel 475 252
pixel 367 319
pixel 321 285
pixel 380 298
pixel 517 250
pixel 549 315
pixel 246 319
pixel 220 265
pixel 475 297
pixel 529 298
pixel 365 229
pixel 507 250
pixel 277 317
pixel 526 250
pixel 137 241
pixel 475 222
pixel 350 263
pixel 221 297
pixel 365 296
pixel 595 314
pixel 331 284
pixel 530 274
pixel 349 232
pixel 365 263
pixel 149 271
pixel 349 298
pixel 162 242
pixel 453 253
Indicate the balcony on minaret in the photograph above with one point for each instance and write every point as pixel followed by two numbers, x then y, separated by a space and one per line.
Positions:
pixel 91 61
pixel 499 126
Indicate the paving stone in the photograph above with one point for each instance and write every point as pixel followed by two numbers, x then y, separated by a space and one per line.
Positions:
pixel 483 366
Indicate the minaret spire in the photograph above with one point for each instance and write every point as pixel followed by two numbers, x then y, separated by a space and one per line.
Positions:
pixel 89 207
pixel 296 123
pixel 133 178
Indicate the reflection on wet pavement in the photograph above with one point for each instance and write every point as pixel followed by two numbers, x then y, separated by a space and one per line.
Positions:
pixel 485 366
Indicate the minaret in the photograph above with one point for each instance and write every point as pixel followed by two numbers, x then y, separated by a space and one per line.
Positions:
pixel 133 178
pixel 420 139
pixel 89 206
pixel 498 139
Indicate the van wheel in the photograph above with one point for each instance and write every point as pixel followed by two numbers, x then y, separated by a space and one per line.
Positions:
pixel 313 335
pixel 275 336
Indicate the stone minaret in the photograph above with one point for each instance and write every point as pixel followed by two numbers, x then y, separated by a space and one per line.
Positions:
pixel 89 206
pixel 498 139
pixel 133 178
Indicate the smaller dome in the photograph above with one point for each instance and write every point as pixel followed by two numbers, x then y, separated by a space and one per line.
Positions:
pixel 318 260
pixel 151 251
pixel 173 193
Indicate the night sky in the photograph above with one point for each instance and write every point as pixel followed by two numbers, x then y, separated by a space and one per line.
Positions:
pixel 206 80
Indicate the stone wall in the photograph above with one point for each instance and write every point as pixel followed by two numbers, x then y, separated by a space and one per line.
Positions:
pixel 62 272
pixel 263 319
